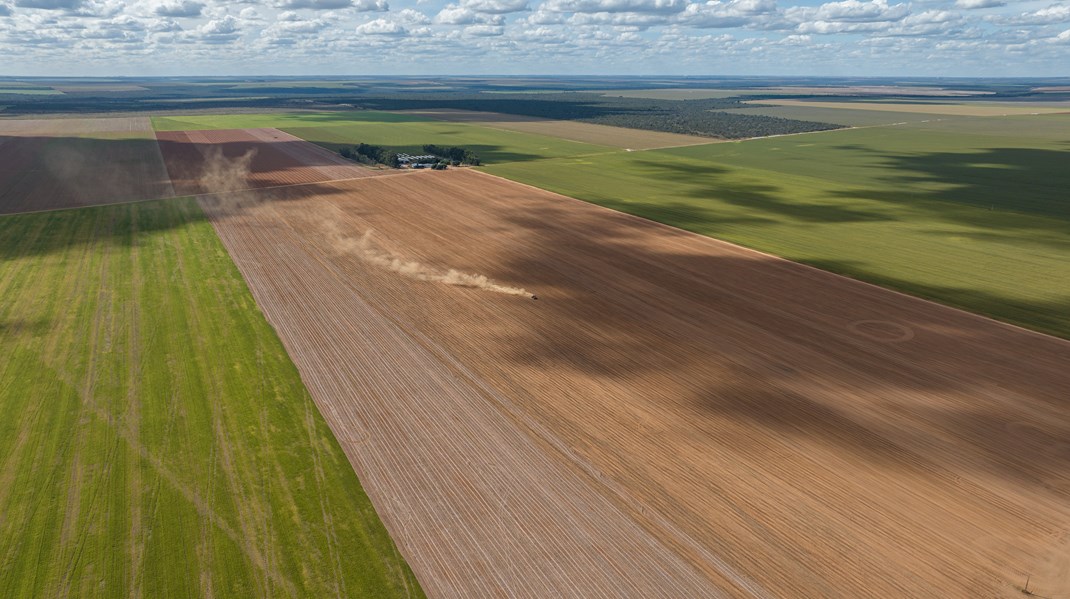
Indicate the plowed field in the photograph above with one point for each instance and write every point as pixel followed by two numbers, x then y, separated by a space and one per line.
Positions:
pixel 64 163
pixel 271 158
pixel 674 416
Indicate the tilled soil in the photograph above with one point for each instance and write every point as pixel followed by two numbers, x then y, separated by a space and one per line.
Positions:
pixel 67 163
pixel 673 416
pixel 276 158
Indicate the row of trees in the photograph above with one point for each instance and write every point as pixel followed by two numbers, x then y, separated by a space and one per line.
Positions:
pixel 456 155
pixel 370 154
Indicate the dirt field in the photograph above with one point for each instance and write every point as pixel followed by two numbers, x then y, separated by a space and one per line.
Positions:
pixel 617 137
pixel 668 399
pixel 266 157
pixel 949 109
pixel 64 163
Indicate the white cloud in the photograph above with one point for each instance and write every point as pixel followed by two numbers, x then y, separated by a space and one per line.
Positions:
pixel 371 5
pixel 600 6
pixel 179 8
pixel 220 31
pixel 1056 13
pixel 496 7
pixel 314 4
pixel 381 27
pixel 453 14
pixel 976 4
pixel 412 17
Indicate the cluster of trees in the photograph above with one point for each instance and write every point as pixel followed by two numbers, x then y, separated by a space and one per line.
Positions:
pixel 456 155
pixel 370 154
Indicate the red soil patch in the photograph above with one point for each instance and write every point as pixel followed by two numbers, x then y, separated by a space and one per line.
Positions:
pixel 277 158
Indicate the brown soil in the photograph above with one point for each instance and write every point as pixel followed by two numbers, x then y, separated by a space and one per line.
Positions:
pixel 66 163
pixel 669 400
pixel 277 158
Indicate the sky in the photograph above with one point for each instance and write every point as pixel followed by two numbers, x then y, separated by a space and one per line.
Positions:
pixel 516 37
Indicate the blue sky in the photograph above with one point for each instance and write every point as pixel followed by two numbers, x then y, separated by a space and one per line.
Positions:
pixel 620 37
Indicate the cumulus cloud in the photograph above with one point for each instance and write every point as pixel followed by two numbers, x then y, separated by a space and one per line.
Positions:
pixel 220 31
pixel 381 27
pixel 412 16
pixel 371 5
pixel 453 14
pixel 496 7
pixel 1056 13
pixel 976 4
pixel 608 6
pixel 724 15
pixel 314 4
pixel 180 8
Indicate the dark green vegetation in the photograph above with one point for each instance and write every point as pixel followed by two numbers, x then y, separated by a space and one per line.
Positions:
pixel 455 154
pixel 156 440
pixel 370 154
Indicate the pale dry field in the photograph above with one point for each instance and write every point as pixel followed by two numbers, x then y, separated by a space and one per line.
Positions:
pixel 948 109
pixel 674 416
pixel 48 164
pixel 68 127
pixel 603 135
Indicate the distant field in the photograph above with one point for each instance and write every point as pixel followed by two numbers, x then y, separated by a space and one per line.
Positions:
pixel 405 132
pixel 851 118
pixel 975 221
pixel 157 441
pixel 618 137
pixel 30 91
pixel 965 109
pixel 277 120
pixel 678 93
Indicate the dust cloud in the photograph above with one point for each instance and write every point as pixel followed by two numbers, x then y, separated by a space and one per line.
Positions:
pixel 365 248
pixel 225 175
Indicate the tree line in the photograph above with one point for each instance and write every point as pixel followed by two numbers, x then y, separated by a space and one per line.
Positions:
pixel 372 154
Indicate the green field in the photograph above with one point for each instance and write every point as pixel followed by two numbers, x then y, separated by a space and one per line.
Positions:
pixel 157 441
pixel 402 132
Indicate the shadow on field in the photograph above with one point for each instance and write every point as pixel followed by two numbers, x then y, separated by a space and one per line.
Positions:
pixel 707 180
pixel 742 335
pixel 1024 180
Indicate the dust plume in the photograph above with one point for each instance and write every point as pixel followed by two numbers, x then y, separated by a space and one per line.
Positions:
pixel 222 174
pixel 364 247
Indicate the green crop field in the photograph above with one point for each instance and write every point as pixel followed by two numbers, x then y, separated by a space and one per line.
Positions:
pixel 403 132
pixel 156 440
